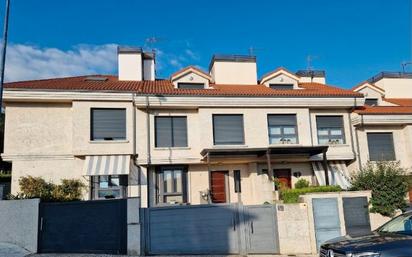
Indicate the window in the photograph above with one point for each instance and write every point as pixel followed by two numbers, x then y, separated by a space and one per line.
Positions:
pixel 282 129
pixel 371 101
pixel 190 85
pixel 330 130
pixel 281 86
pixel 170 131
pixel 109 187
pixel 108 124
pixel 228 129
pixel 381 147
pixel 170 185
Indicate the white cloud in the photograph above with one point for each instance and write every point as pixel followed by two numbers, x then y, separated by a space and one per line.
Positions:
pixel 26 62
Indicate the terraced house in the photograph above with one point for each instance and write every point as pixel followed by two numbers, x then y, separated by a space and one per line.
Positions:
pixel 198 137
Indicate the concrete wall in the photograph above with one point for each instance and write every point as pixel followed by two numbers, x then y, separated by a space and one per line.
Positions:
pixel 19 223
pixel 293 228
pixel 282 79
pixel 237 73
pixel 130 66
pixel 396 87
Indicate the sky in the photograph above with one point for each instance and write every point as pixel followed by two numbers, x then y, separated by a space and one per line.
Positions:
pixel 351 40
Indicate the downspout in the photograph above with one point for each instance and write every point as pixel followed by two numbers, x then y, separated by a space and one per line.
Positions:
pixel 149 157
pixel 139 176
pixel 350 129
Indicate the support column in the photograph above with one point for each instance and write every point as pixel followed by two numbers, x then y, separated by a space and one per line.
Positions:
pixel 325 167
pixel 269 164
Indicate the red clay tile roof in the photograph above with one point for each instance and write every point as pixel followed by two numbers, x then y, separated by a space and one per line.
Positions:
pixel 165 87
pixel 399 101
pixel 386 110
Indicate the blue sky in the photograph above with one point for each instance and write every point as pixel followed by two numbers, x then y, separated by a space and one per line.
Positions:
pixel 352 40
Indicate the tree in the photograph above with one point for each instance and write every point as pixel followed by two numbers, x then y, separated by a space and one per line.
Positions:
pixel 388 183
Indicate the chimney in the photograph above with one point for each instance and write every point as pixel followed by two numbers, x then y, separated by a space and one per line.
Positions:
pixel 134 64
pixel 317 76
pixel 233 69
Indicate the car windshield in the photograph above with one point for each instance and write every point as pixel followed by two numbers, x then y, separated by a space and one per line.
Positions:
pixel 399 225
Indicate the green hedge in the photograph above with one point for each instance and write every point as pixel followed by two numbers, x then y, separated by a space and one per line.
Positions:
pixel 292 195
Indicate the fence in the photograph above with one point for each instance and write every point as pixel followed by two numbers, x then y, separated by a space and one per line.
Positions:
pixel 120 226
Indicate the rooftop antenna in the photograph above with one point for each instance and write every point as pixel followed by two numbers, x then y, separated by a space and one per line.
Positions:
pixel 404 64
pixel 309 65
pixel 252 50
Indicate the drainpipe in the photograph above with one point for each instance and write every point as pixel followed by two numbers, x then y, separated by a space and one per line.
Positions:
pixel 350 129
pixel 149 157
pixel 135 155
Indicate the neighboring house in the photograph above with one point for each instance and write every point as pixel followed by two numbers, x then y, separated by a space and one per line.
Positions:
pixel 383 127
pixel 218 136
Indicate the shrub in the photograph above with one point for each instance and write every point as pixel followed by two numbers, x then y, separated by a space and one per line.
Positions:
pixel 388 184
pixel 301 183
pixel 68 190
pixel 292 195
pixel 36 187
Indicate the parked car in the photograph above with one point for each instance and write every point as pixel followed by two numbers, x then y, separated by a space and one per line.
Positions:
pixel 393 239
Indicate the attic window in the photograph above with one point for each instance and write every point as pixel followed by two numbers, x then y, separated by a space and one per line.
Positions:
pixel 184 85
pixel 371 101
pixel 95 78
pixel 281 86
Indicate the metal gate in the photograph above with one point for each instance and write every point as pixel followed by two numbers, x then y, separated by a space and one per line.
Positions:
pixel 210 229
pixel 262 229
pixel 83 227
pixel 326 218
pixel 356 211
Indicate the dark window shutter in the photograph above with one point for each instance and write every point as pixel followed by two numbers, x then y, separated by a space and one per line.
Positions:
pixel 108 124
pixel 282 120
pixel 163 132
pixel 170 131
pixel 190 85
pixel 381 147
pixel 228 129
pixel 329 121
pixel 281 86
pixel 179 131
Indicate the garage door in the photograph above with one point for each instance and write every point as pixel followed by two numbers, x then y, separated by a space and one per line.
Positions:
pixel 83 227
pixel 202 229
pixel 326 217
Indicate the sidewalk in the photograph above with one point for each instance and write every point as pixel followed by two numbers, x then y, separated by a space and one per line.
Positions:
pixel 11 250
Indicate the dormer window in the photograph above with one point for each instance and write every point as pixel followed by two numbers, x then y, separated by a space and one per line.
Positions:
pixel 281 86
pixel 371 101
pixel 188 85
pixel 191 78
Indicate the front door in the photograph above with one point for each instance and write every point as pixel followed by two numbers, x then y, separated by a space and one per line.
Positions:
pixel 284 177
pixel 218 186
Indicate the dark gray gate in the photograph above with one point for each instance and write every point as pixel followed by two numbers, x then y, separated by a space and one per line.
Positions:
pixel 210 229
pixel 356 213
pixel 83 227
pixel 200 229
pixel 262 229
pixel 326 218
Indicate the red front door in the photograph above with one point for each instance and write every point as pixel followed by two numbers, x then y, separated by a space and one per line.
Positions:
pixel 410 194
pixel 218 186
pixel 284 177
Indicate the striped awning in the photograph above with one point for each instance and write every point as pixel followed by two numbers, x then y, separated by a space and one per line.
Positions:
pixel 337 171
pixel 98 165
